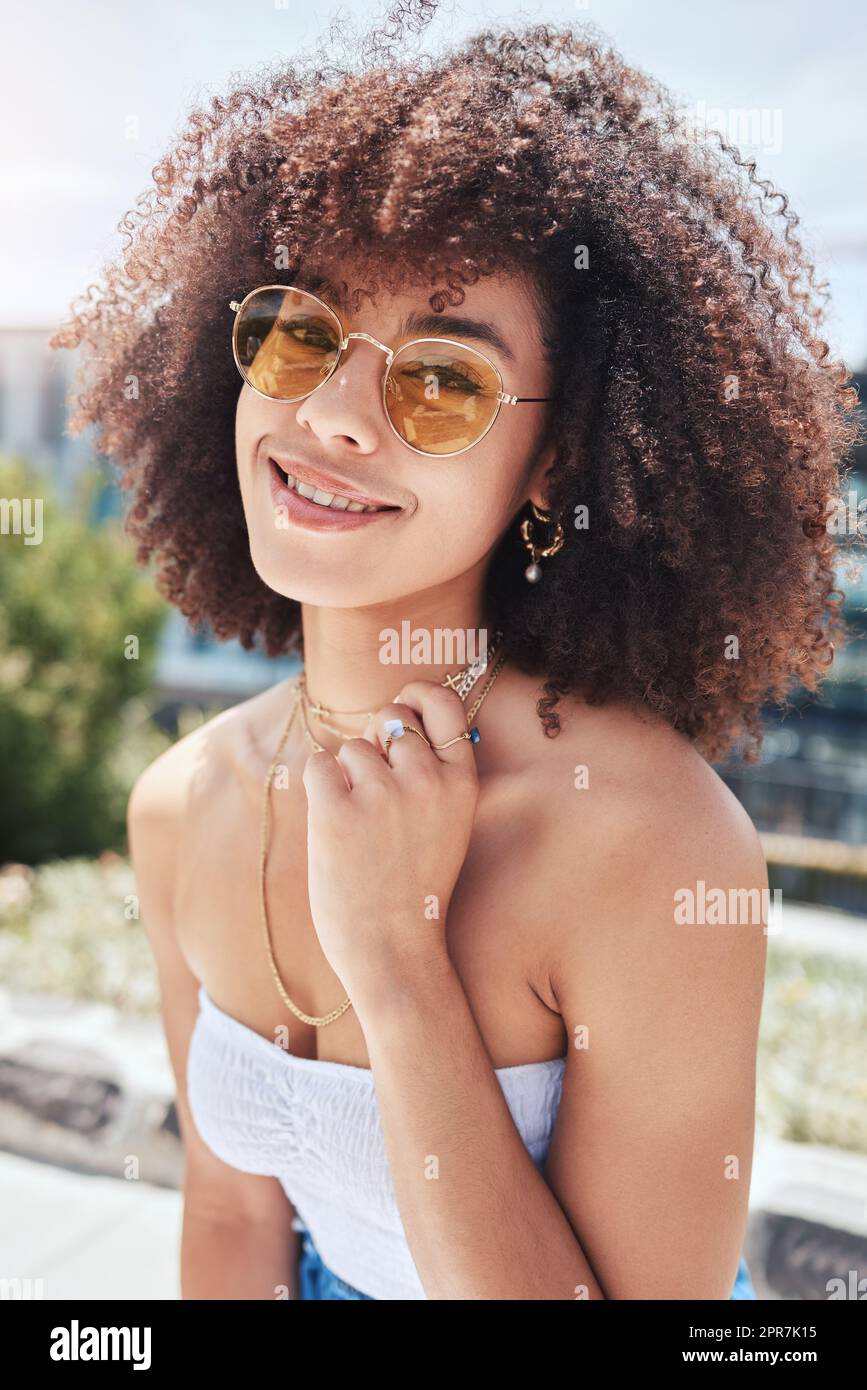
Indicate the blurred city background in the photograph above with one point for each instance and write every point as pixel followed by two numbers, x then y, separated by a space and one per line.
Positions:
pixel 84 1078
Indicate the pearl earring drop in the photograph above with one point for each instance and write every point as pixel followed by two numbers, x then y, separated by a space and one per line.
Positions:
pixel 533 572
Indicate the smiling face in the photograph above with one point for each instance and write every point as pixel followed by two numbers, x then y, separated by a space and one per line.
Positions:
pixel 340 511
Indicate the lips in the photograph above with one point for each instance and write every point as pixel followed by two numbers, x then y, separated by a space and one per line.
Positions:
pixel 332 498
pixel 322 508
pixel 316 485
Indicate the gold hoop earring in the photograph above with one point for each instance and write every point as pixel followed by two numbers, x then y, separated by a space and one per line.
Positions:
pixel 533 572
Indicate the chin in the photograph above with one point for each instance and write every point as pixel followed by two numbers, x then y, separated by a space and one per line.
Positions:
pixel 320 583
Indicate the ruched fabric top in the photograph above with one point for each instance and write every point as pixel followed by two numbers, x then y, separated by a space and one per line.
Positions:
pixel 315 1126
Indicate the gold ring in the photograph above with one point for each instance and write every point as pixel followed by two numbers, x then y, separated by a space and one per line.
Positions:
pixel 411 729
pixel 407 728
pixel 472 734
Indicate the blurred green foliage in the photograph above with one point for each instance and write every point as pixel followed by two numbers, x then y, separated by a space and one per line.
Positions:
pixel 812 1071
pixel 71 928
pixel 71 687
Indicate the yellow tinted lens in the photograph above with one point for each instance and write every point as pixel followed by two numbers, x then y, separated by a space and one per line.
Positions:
pixel 287 343
pixel 440 398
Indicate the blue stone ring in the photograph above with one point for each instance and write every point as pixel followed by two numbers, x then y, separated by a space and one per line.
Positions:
pixel 472 734
pixel 395 728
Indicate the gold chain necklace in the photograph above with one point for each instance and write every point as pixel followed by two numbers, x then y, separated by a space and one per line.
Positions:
pixel 461 681
pixel 263 855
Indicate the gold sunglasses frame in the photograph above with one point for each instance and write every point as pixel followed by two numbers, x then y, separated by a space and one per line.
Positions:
pixel 502 396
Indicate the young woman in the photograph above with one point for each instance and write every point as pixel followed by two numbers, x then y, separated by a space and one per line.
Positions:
pixel 490 345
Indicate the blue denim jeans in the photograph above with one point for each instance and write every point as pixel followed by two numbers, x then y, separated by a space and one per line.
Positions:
pixel 743 1283
pixel 316 1280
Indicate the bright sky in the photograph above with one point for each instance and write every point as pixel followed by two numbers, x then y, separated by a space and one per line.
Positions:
pixel 77 79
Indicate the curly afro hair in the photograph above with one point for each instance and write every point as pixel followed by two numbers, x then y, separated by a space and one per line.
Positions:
pixel 698 415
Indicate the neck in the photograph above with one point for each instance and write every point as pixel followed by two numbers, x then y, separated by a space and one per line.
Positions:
pixel 360 658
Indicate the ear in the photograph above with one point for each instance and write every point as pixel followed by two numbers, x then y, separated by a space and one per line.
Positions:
pixel 537 483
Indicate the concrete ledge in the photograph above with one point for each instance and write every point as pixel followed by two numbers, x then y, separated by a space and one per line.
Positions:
pixel 792 1258
pixel 84 1087
pixel 808 1221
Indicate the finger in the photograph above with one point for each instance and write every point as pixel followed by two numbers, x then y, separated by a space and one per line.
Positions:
pixel 444 718
pixel 362 761
pixel 370 730
pixel 324 780
pixel 406 748
pixel 371 733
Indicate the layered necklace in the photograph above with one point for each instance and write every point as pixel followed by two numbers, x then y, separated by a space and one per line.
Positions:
pixel 462 682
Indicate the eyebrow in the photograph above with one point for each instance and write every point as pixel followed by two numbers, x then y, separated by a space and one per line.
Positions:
pixel 455 326
pixel 426 325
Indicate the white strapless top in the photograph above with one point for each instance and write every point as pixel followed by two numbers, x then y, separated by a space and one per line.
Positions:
pixel 315 1126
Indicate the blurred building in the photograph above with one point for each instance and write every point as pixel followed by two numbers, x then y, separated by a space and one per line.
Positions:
pixel 812 780
pixel 194 669
pixel 34 382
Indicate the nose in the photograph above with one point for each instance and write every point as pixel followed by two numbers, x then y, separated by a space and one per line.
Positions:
pixel 347 409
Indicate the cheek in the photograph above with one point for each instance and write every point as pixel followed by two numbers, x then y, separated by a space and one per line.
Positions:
pixel 256 418
pixel 244 441
pixel 249 427
pixel 494 479
pixel 462 517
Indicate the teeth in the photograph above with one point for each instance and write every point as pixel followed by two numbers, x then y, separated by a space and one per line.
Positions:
pixel 323 498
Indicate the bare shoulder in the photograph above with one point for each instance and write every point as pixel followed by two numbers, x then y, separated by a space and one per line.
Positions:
pixel 189 777
pixel 636 783
pixel 641 826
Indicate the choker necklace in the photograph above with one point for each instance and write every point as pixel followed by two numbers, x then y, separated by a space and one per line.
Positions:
pixel 461 682
pixel 263 851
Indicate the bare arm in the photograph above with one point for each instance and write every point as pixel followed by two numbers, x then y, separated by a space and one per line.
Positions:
pixel 480 1219
pixel 237 1239
pixel 646 1186
pixel 652 1154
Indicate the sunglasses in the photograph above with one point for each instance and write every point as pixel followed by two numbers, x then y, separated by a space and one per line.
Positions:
pixel 440 396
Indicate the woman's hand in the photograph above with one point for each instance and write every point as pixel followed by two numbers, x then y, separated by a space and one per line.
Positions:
pixel 386 840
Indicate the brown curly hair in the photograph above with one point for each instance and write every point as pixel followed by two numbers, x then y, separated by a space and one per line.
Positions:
pixel 697 413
